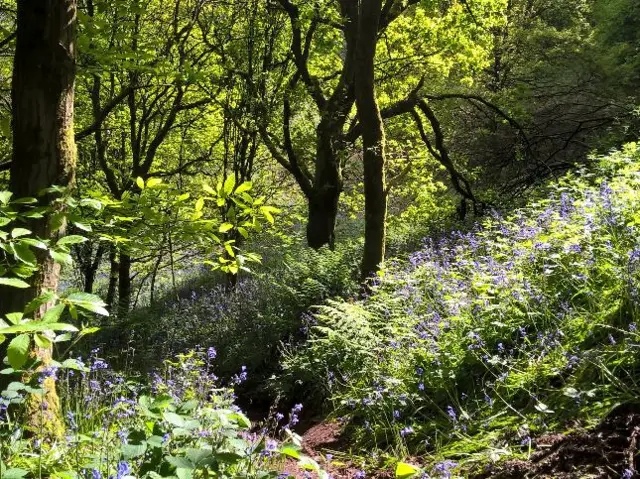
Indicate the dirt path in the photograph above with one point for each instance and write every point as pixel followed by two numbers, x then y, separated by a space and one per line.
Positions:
pixel 611 450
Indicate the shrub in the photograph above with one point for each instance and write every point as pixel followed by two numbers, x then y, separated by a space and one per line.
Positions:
pixel 179 422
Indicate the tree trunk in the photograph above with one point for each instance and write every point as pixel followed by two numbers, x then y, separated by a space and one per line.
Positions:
pixel 114 267
pixel 91 267
pixel 44 152
pixel 373 139
pixel 124 286
pixel 327 184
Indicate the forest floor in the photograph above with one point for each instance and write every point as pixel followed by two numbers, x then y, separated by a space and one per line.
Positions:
pixel 610 450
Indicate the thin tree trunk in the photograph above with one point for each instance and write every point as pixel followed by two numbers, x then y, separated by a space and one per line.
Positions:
pixel 44 151
pixel 91 269
pixel 114 267
pixel 124 286
pixel 373 139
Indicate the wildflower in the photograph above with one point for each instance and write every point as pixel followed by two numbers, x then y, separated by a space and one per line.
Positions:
pixel 211 353
pixel 612 340
pixel 404 432
pixel 279 416
pixel 452 413
pixel 421 386
pixel 627 474
pixel 360 475
pixel 396 414
pixel 123 469
pixel 444 468
pixel 95 474
pixel 71 417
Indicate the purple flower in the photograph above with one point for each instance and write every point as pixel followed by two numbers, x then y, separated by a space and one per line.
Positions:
pixel 123 469
pixel 404 432
pixel 452 413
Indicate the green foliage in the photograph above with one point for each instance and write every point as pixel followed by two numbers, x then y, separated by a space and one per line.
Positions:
pixel 482 340
pixel 180 422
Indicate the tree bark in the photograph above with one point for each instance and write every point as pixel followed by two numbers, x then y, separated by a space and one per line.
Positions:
pixel 114 266
pixel 44 151
pixel 124 285
pixel 327 188
pixel 373 139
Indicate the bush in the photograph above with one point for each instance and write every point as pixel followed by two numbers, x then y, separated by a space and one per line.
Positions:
pixel 483 339
pixel 248 323
pixel 179 422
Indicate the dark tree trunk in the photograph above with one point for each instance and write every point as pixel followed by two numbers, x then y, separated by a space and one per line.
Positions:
pixel 373 139
pixel 114 267
pixel 124 285
pixel 44 151
pixel 91 266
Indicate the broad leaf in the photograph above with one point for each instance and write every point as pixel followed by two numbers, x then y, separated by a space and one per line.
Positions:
pixel 18 351
pixel 14 283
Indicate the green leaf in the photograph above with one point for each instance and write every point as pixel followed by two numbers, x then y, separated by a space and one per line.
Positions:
pixel 224 227
pixel 199 204
pixel 18 351
pixel 41 341
pixel 14 318
pixel 180 462
pixel 151 182
pixel 229 185
pixel 174 419
pixel 130 451
pixel 23 253
pixel 37 326
pixel 5 196
pixel 405 471
pixel 61 257
pixel 14 473
pixel 91 203
pixel 241 419
pixel 82 226
pixel 183 473
pixel 34 242
pixel 72 239
pixel 18 232
pixel 200 457
pixel 39 301
pixel 246 186
pixel 14 283
pixel 89 302
pixel 53 314
pixel 140 183
pixel 290 451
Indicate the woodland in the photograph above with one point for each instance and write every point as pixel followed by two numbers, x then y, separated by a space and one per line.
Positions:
pixel 319 239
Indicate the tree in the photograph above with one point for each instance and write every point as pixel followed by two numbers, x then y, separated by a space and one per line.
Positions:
pixel 332 95
pixel 373 138
pixel 44 152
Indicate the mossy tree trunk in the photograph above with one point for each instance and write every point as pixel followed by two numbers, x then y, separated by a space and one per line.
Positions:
pixel 373 139
pixel 44 151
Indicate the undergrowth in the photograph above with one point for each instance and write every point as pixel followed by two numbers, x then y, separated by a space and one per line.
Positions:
pixel 485 339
